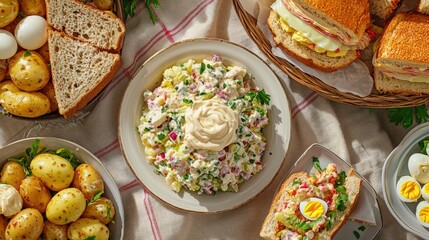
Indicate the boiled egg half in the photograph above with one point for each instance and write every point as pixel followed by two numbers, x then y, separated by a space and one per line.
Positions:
pixel 425 192
pixel 31 32
pixel 408 189
pixel 418 165
pixel 422 213
pixel 313 208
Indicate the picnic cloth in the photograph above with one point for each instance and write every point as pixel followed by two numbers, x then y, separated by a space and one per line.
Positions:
pixel 361 136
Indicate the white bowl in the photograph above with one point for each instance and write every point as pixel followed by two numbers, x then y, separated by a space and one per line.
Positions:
pixel 111 191
pixel 396 166
pixel 150 74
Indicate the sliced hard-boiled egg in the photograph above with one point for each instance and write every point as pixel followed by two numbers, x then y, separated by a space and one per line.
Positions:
pixel 313 208
pixel 425 192
pixel 418 165
pixel 31 32
pixel 8 46
pixel 408 189
pixel 422 213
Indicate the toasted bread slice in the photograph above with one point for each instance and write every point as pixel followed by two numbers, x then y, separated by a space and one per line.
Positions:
pixel 350 16
pixel 383 8
pixel 352 184
pixel 79 71
pixel 100 28
pixel 302 53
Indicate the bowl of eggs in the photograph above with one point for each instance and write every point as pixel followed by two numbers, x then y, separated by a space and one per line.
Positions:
pixel 405 181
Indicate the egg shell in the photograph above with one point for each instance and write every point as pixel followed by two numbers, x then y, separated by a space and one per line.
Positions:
pixel 418 166
pixel 422 213
pixel 403 180
pixel 303 205
pixel 31 32
pixel 8 45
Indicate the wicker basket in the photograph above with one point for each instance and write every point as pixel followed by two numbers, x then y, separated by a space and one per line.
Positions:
pixel 374 100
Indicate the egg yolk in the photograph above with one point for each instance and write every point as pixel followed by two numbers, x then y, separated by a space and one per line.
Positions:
pixel 426 189
pixel 410 190
pixel 313 209
pixel 424 214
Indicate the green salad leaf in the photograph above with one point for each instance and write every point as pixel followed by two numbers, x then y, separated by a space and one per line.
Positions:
pixel 406 116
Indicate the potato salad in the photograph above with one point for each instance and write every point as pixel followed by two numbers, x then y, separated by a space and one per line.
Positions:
pixel 202 127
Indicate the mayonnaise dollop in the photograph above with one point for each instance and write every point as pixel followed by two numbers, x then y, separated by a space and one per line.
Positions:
pixel 210 125
pixel 10 200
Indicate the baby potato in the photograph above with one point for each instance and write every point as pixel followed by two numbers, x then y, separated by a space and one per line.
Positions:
pixel 104 4
pixel 88 180
pixel 29 71
pixel 8 86
pixel 33 7
pixel 53 231
pixel 3 225
pixel 25 104
pixel 44 52
pixel 54 171
pixel 34 193
pixel 66 206
pixel 12 173
pixel 27 224
pixel 49 91
pixel 87 227
pixel 102 210
pixel 9 10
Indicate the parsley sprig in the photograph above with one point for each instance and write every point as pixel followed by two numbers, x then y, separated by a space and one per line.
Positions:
pixel 130 8
pixel 406 116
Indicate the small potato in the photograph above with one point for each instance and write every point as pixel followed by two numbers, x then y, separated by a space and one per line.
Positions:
pixel 25 104
pixel 102 210
pixel 53 231
pixel 33 7
pixel 3 225
pixel 104 4
pixel 34 193
pixel 8 86
pixel 66 206
pixel 27 224
pixel 49 91
pixel 12 173
pixel 9 10
pixel 54 171
pixel 87 227
pixel 29 71
pixel 44 52
pixel 88 180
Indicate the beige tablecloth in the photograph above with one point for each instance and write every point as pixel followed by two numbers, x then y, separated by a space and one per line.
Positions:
pixel 358 135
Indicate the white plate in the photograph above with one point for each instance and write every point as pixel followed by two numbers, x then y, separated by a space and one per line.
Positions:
pixel 111 190
pixel 150 74
pixel 396 166
pixel 367 207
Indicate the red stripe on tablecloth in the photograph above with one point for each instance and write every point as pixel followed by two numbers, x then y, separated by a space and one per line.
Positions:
pixel 303 101
pixel 129 185
pixel 155 222
pixel 152 219
pixel 304 104
pixel 164 28
pixel 102 152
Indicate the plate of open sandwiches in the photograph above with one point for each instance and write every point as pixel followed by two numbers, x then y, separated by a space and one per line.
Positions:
pixel 331 36
pixel 57 56
pixel 323 197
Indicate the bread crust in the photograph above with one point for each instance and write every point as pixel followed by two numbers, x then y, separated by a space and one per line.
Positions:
pixel 385 84
pixel 405 39
pixel 340 62
pixel 352 14
pixel 269 232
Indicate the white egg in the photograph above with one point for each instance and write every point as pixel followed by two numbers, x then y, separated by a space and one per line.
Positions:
pixel 408 189
pixel 313 208
pixel 8 46
pixel 418 165
pixel 31 32
pixel 422 213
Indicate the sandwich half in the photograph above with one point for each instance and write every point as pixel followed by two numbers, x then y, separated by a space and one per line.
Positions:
pixel 323 34
pixel 401 63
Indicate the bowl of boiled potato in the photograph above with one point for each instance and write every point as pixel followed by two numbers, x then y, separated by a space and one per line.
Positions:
pixel 51 188
pixel 26 89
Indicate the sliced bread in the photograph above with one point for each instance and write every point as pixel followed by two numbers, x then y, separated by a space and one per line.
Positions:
pixel 302 53
pixel 101 28
pixel 79 71
pixel 386 84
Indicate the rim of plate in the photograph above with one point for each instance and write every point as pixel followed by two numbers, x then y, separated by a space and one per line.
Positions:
pixel 214 41
pixel 113 188
pixel 384 183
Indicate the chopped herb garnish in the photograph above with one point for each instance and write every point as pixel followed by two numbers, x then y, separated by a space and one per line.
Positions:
pixel 161 136
pixel 316 164
pixel 96 197
pixel 296 182
pixel 27 53
pixel 187 101
pixel 261 96
pixel 146 129
pixel 91 238
pixel 362 228
pixel 423 145
pixel 68 155
pixel 341 178
pixel 109 208
pixel 357 235
pixel 203 68
pixel 342 199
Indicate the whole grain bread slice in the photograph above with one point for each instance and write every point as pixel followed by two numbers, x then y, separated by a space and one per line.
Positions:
pixel 101 28
pixel 79 71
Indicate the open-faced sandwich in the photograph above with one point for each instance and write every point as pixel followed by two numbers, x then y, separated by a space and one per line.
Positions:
pixel 312 206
